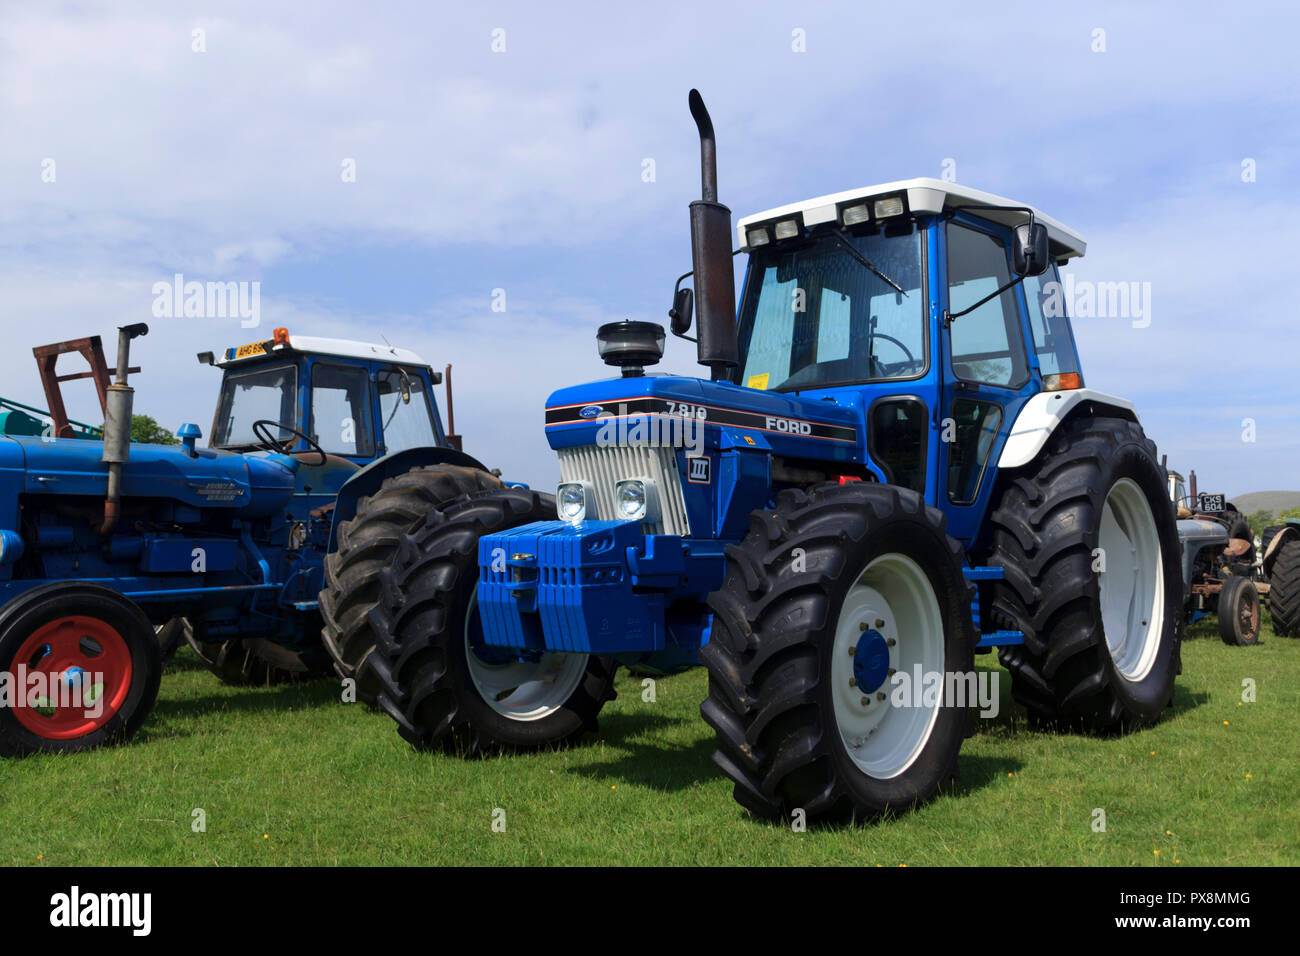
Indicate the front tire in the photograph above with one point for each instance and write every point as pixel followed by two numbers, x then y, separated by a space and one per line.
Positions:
pixel 443 687
pixel 1238 612
pixel 100 666
pixel 367 545
pixel 828 596
pixel 1090 550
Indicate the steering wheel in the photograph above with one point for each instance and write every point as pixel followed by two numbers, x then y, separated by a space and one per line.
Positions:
pixel 262 429
pixel 890 338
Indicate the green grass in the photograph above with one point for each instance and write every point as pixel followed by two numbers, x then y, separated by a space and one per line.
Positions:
pixel 292 776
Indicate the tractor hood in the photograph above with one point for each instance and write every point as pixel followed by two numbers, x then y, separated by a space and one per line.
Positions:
pixel 610 412
pixel 258 484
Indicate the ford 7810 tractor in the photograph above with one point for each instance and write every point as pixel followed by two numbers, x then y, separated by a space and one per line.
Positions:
pixel 322 451
pixel 892 465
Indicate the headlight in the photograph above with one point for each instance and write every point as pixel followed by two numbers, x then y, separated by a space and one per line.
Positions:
pixel 631 499
pixel 635 499
pixel 571 501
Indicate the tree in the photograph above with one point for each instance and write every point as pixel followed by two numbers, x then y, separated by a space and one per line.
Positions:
pixel 1260 520
pixel 148 432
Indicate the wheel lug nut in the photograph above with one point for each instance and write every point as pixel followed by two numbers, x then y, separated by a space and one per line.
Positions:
pixel 880 695
pixel 853 682
pixel 891 642
pixel 892 672
pixel 866 701
pixel 862 626
pixel 853 650
pixel 880 622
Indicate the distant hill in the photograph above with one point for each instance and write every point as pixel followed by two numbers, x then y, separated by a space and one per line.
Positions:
pixel 1273 501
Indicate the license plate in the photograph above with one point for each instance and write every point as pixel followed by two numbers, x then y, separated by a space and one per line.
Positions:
pixel 253 348
pixel 1212 502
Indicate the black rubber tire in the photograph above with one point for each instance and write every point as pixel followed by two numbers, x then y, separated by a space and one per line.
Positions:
pixel 769 654
pixel 420 655
pixel 1238 612
pixel 34 608
pixel 367 545
pixel 1045 530
pixel 255 661
pixel 1284 590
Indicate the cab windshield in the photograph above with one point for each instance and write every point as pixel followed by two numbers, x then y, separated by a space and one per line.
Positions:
pixel 246 397
pixel 815 316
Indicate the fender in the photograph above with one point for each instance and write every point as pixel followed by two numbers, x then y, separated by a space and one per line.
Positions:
pixel 1288 532
pixel 1044 412
pixel 367 480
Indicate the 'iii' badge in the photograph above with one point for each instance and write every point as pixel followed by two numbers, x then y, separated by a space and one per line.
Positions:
pixel 697 469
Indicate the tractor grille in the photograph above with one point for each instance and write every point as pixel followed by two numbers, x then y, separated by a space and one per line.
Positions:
pixel 605 467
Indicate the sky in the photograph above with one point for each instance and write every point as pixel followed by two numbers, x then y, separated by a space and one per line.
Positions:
pixel 503 147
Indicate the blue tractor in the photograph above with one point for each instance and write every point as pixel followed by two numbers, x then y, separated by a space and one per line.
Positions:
pixel 892 465
pixel 319 449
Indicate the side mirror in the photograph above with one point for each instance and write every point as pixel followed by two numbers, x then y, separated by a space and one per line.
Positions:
pixel 1029 249
pixel 683 308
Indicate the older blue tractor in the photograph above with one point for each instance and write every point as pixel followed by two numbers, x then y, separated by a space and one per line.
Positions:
pixel 893 465
pixel 102 541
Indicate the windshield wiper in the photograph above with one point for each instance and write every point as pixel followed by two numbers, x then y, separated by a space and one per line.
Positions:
pixel 866 262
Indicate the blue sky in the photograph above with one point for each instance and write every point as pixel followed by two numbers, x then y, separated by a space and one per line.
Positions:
pixel 521 170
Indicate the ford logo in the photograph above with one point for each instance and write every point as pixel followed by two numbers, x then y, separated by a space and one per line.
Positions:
pixel 590 411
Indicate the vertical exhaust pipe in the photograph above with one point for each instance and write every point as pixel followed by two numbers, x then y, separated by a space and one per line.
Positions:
pixel 117 426
pixel 715 283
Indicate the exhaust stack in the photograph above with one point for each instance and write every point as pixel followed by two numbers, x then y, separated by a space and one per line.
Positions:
pixel 715 283
pixel 117 426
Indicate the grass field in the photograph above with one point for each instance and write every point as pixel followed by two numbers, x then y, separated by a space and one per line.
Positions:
pixel 292 776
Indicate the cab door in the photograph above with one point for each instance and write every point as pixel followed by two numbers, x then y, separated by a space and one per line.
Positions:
pixel 987 374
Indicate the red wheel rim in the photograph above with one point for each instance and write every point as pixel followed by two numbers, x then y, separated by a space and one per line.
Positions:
pixel 85 675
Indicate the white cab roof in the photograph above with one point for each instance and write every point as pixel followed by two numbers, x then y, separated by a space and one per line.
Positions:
pixel 323 346
pixel 924 197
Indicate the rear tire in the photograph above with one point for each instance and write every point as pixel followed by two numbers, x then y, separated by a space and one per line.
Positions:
pixel 91 637
pixel 445 694
pixel 839 567
pixel 367 545
pixel 1284 590
pixel 1238 612
pixel 1100 652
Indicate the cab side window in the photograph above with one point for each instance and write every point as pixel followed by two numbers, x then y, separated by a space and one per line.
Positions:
pixel 404 409
pixel 1053 340
pixel 986 343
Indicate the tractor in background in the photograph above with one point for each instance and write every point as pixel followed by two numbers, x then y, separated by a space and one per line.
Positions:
pixel 1281 570
pixel 893 464
pixel 321 451
pixel 1221 564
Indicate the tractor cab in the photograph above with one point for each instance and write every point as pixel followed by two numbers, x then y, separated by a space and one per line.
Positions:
pixel 355 401
pixel 933 311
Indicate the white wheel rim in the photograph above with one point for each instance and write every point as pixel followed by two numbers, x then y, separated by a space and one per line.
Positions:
pixel 894 599
pixel 1132 580
pixel 523 690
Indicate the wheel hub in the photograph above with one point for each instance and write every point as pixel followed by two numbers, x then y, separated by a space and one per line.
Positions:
pixel 870 661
